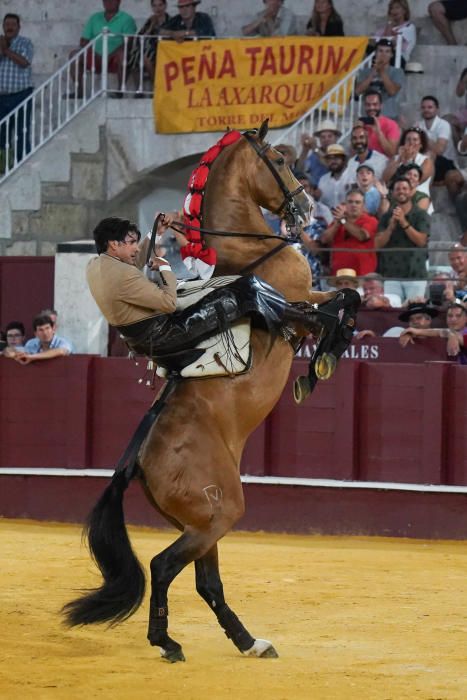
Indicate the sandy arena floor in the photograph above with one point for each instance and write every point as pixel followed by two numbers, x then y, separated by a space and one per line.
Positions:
pixel 352 619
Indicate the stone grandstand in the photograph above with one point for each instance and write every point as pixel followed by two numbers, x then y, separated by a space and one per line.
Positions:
pixel 108 160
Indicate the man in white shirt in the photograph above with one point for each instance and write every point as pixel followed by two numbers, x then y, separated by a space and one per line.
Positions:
pixel 333 185
pixel 364 155
pixel 439 134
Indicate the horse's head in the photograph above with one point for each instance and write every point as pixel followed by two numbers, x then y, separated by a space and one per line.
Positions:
pixel 275 186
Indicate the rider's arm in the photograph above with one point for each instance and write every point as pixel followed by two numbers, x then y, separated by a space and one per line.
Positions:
pixel 137 289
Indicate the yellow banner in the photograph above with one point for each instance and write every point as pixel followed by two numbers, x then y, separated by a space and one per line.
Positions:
pixel 209 85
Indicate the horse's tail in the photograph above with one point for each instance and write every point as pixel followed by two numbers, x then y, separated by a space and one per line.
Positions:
pixel 122 590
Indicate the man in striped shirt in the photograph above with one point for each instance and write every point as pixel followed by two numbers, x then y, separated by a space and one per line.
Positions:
pixel 16 54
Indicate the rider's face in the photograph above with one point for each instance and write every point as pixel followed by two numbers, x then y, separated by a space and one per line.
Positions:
pixel 127 249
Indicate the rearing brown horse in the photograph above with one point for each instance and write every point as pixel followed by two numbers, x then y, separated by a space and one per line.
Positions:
pixel 189 463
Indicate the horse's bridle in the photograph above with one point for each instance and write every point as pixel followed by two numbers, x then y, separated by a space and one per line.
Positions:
pixel 288 208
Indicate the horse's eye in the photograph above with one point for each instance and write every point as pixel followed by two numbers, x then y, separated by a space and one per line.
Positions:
pixel 280 161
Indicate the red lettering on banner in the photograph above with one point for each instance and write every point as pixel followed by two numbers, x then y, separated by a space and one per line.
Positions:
pixel 333 62
pixel 188 66
pixel 228 66
pixel 171 72
pixel 304 60
pixel 348 64
pixel 265 94
pixel 284 67
pixel 207 66
pixel 253 51
pixel 269 62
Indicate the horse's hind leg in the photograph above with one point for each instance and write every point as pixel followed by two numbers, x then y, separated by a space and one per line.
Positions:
pixel 209 587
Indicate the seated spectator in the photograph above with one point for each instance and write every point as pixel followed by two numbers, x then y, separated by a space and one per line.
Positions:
pixel 311 234
pixel 455 332
pixel 325 20
pixel 53 316
pixel 413 148
pixel 404 226
pixel 314 163
pixel 383 132
pixel 414 174
pixel 274 20
pixel 344 279
pixel 364 154
pixel 334 184
pixel 150 29
pixel 456 184
pixel 374 296
pixel 354 231
pixel 119 23
pixel 366 183
pixel 384 78
pixel 458 120
pixel 418 314
pixel 398 24
pixel 444 12
pixel 46 344
pixel 439 135
pixel 15 336
pixel 441 289
pixel 188 23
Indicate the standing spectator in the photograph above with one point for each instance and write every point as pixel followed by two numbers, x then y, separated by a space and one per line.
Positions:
pixel 414 174
pixel 274 20
pixel 413 148
pixel 439 135
pixel 16 53
pixel 398 24
pixel 458 120
pixel 444 12
pixel 354 230
pixel 456 179
pixel 311 234
pixel 383 132
pixel 384 78
pixel 150 29
pixel 188 23
pixel 118 23
pixel 363 154
pixel 325 20
pixel 15 337
pixel 314 163
pixel 366 183
pixel 334 184
pixel 404 226
pixel 46 344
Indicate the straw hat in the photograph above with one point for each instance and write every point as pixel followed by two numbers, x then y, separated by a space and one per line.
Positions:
pixel 327 125
pixel 335 149
pixel 345 273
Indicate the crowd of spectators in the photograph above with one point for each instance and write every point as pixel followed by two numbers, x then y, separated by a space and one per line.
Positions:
pixel 46 344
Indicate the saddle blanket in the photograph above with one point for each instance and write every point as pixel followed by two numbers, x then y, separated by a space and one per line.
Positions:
pixel 225 354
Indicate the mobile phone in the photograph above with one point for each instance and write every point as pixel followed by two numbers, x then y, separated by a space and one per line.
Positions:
pixel 367 120
pixel 436 294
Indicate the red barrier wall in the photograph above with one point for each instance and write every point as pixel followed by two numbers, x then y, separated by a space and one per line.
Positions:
pixel 26 287
pixel 371 421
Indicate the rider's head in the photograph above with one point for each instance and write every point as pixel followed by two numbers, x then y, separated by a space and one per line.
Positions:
pixel 113 229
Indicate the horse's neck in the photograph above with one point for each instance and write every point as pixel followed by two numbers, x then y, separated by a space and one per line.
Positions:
pixel 238 214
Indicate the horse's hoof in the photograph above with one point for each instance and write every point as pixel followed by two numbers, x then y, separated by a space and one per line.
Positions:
pixel 262 649
pixel 325 365
pixel 172 655
pixel 301 389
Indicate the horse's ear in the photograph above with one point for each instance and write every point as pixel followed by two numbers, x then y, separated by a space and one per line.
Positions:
pixel 263 130
pixel 228 129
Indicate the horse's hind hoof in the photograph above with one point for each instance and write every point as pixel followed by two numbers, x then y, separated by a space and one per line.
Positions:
pixel 172 655
pixel 262 649
pixel 325 365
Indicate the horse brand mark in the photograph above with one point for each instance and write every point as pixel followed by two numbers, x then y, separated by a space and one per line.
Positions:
pixel 214 495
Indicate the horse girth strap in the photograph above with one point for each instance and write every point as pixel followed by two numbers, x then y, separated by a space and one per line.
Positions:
pixel 248 268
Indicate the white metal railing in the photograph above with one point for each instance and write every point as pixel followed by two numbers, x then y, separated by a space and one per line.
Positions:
pixel 341 105
pixel 47 110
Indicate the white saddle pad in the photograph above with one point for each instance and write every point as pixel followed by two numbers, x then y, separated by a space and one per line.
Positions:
pixel 225 354
pixel 190 291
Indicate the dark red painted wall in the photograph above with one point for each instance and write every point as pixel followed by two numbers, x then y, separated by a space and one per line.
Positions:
pixel 26 287
pixel 371 421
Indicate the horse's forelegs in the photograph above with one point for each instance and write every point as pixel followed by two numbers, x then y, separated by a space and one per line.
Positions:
pixel 209 587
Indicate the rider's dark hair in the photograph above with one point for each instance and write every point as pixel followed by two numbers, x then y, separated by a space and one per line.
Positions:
pixel 42 320
pixel 112 229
